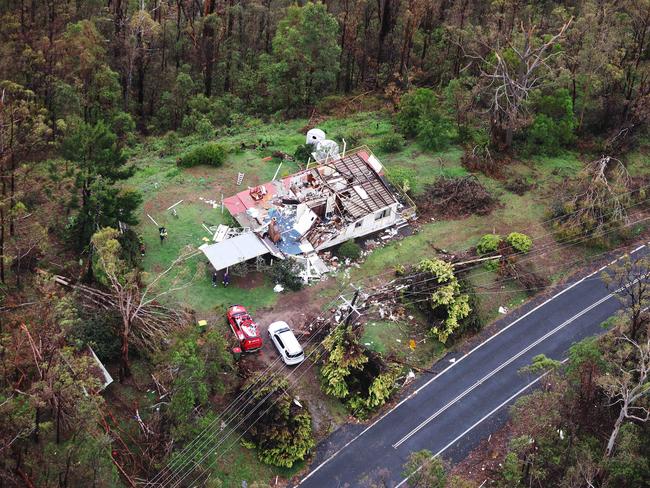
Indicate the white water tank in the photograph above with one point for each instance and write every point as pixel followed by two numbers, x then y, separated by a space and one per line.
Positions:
pixel 314 136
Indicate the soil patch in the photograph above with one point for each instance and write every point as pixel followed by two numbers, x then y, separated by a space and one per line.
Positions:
pixel 248 282
pixel 483 464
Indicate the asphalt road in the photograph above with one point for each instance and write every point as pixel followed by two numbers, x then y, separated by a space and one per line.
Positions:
pixel 450 413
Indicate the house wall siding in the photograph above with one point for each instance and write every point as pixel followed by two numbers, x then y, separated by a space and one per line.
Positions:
pixel 368 226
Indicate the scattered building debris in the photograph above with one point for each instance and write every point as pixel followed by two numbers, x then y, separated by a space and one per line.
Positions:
pixel 341 197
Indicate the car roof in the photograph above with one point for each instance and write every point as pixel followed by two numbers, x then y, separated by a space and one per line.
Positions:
pixel 288 338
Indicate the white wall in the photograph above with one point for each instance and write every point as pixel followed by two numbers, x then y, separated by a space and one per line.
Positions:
pixel 368 226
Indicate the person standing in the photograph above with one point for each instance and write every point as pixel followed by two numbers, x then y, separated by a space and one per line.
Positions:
pixel 163 234
pixel 215 278
pixel 226 278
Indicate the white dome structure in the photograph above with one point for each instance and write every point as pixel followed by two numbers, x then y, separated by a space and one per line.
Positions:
pixel 314 136
pixel 326 149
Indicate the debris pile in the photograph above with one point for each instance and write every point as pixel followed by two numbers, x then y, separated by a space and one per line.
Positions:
pixel 456 198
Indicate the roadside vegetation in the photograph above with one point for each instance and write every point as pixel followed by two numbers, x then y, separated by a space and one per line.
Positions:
pixel 521 136
pixel 588 423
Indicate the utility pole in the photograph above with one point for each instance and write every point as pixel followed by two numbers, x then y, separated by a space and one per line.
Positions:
pixel 351 307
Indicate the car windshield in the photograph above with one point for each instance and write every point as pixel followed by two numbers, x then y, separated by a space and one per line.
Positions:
pixel 296 355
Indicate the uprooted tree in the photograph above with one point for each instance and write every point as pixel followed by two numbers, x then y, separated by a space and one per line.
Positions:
pixel 354 374
pixel 146 322
pixel 597 203
pixel 627 385
pixel 283 433
pixel 445 302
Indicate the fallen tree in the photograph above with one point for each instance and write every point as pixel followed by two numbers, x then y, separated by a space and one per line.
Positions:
pixel 596 203
pixel 456 197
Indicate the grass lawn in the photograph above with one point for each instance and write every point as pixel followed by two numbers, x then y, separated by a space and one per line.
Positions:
pixel 163 183
pixel 392 338
pixel 241 464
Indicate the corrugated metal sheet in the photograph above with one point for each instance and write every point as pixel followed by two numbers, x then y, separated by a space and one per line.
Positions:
pixel 234 250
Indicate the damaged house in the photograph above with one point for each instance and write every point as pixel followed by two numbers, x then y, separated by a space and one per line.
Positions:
pixel 340 197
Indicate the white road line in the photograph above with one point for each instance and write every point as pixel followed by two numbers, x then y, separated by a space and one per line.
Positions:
pixel 480 421
pixel 455 363
pixel 499 368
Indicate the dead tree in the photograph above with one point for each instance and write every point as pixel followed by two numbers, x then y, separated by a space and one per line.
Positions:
pixel 628 385
pixel 628 279
pixel 511 83
pixel 599 199
pixel 144 319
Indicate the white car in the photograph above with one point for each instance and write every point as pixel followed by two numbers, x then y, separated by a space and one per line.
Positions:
pixel 286 343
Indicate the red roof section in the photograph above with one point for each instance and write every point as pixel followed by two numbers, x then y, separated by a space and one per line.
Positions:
pixel 242 201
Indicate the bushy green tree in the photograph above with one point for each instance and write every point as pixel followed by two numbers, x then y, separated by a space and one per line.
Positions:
pixel 283 435
pixel 420 115
pixel 305 59
pixel 488 243
pixel 554 123
pixel 98 163
pixel 354 374
pixel 519 242
pixel 446 296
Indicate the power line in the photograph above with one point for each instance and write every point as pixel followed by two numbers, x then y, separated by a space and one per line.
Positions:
pixel 231 406
pixel 212 427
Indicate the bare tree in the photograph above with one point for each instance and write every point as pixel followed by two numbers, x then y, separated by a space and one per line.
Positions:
pixel 511 81
pixel 628 278
pixel 145 320
pixel 627 385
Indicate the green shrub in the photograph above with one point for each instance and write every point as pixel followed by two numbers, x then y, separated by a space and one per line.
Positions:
pixel 435 132
pixel 354 374
pixel 421 116
pixel 170 143
pixel 519 242
pixel 349 249
pixel 204 128
pixel 413 106
pixel 210 154
pixel 303 153
pixel 402 178
pixel 285 273
pixel 391 143
pixel 446 298
pixel 554 124
pixel 489 243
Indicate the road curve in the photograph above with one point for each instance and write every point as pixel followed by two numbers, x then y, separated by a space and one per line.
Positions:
pixel 450 413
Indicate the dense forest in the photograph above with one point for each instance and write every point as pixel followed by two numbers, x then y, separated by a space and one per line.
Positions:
pixel 85 85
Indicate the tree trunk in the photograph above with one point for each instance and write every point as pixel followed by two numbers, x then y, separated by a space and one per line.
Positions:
pixel 612 438
pixel 125 367
pixel 208 49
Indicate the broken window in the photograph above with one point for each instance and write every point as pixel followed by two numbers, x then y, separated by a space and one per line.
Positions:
pixel 383 214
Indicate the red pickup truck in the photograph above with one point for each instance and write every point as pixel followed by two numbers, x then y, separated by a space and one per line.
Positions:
pixel 245 329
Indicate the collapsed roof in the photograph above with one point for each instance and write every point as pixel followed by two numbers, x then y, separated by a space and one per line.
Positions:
pixel 301 213
pixel 311 204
